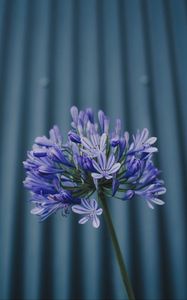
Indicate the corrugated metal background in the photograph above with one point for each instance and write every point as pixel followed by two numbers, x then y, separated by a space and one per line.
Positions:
pixel 130 59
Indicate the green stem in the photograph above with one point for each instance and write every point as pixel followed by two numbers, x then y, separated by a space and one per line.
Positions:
pixel 124 274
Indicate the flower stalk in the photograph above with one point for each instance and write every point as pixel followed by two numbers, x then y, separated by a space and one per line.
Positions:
pixel 125 278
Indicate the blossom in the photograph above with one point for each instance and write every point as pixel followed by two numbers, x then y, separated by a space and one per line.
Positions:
pixel 141 142
pixel 90 211
pixel 94 146
pixel 63 174
pixel 105 168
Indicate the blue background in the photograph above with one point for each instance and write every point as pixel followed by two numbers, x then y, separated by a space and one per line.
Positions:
pixel 128 58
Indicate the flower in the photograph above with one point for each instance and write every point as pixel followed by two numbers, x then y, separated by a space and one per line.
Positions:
pixel 105 168
pixel 63 175
pixel 90 210
pixel 141 142
pixel 95 145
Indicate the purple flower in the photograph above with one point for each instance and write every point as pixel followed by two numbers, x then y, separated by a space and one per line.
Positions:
pixel 95 145
pixel 105 168
pixel 151 194
pixel 90 210
pixel 142 143
pixel 46 206
pixel 55 138
pixel 92 159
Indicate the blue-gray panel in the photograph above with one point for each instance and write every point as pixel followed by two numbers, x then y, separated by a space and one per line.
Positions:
pixel 128 58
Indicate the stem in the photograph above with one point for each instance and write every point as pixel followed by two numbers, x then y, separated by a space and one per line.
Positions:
pixel 121 264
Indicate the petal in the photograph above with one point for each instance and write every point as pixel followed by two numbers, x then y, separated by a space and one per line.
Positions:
pixel 43 141
pixel 106 125
pixel 95 221
pixel 111 161
pixel 107 176
pixel 114 168
pixel 103 142
pixel 161 191
pixel 144 135
pixel 79 209
pixel 150 149
pixel 99 211
pixel 74 113
pixel 96 166
pixel 102 161
pixel 95 140
pixel 157 201
pixel 86 143
pixel 55 135
pixel 97 175
pixel 84 220
pixel 93 204
pixel 37 210
pixel 101 117
pixel 151 140
pixel 86 204
pixel 40 152
pixel 150 205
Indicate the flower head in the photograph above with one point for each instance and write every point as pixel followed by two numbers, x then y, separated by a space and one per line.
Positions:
pixel 64 175
pixel 90 211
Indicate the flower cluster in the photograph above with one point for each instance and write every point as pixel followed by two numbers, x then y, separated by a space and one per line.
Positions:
pixel 64 175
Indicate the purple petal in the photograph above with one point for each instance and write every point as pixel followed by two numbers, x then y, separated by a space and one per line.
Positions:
pixel 99 211
pixel 40 152
pixel 150 150
pixel 95 221
pixel 144 135
pixel 97 175
pixel 86 204
pixel 90 115
pixel 106 125
pixel 94 204
pixel 74 114
pixel 86 143
pixel 37 210
pixel 96 166
pixel 43 141
pixel 95 140
pixel 102 161
pixel 103 142
pixel 55 135
pixel 101 117
pixel 107 176
pixel 150 205
pixel 157 201
pixel 114 168
pixel 151 140
pixel 118 126
pixel 79 209
pixel 111 161
pixel 84 220
pixel 161 191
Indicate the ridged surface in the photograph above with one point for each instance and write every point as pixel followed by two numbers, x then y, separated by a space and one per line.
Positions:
pixel 128 58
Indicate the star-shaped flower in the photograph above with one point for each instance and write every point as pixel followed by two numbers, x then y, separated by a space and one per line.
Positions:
pixel 90 209
pixel 95 145
pixel 105 168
